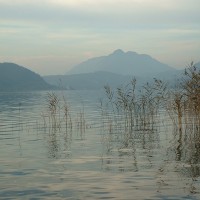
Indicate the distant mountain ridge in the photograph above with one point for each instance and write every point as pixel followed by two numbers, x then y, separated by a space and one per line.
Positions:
pixel 124 63
pixel 97 80
pixel 17 78
pixel 174 77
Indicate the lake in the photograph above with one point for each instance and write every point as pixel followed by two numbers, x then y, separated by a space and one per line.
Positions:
pixel 75 152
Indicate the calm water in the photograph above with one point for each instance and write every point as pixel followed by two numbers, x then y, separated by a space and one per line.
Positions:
pixel 94 162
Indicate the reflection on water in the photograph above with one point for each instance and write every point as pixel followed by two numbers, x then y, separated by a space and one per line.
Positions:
pixel 186 151
pixel 39 161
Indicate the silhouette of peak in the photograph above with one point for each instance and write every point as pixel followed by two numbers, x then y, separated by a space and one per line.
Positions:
pixel 118 52
pixel 120 62
pixel 131 53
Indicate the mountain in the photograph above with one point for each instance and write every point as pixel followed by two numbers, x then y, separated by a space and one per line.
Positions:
pixel 95 80
pixel 14 78
pixel 174 76
pixel 124 63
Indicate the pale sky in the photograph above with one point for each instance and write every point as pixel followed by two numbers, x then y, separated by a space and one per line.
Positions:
pixel 51 36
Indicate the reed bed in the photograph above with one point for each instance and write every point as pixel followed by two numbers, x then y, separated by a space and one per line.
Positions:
pixel 58 115
pixel 137 110
pixel 130 110
pixel 184 103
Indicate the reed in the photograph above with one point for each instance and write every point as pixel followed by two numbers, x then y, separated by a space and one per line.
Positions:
pixel 137 111
pixel 151 100
pixel 140 110
pixel 175 107
pixel 53 106
pixel 191 84
pixel 67 115
pixel 60 116
pixel 185 101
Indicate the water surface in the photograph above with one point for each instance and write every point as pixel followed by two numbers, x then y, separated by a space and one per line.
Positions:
pixel 94 162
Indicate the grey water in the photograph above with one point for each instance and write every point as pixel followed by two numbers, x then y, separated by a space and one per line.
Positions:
pixel 41 162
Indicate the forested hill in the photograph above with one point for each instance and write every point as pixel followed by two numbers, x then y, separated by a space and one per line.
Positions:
pixel 17 78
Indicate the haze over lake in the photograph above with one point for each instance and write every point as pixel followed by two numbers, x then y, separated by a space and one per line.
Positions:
pixel 99 99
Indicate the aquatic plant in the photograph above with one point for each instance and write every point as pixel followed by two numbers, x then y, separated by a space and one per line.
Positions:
pixel 175 107
pixel 133 110
pixel 67 115
pixel 151 100
pixel 60 115
pixel 137 109
pixel 53 106
pixel 184 102
pixel 191 84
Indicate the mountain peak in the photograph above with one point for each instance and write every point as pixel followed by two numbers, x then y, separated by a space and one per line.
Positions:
pixel 118 52
pixel 120 62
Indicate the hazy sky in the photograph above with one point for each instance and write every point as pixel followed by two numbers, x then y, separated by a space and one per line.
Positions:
pixel 50 36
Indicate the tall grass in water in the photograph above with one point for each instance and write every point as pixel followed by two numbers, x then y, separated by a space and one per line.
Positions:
pixel 140 110
pixel 132 112
pixel 60 116
pixel 191 85
pixel 137 109
pixel 184 103
pixel 53 109
pixel 67 115
pixel 151 100
pixel 123 104
pixel 175 107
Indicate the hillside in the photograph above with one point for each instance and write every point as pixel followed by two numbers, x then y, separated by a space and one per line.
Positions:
pixel 17 78
pixel 124 63
pixel 95 80
pixel 173 76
